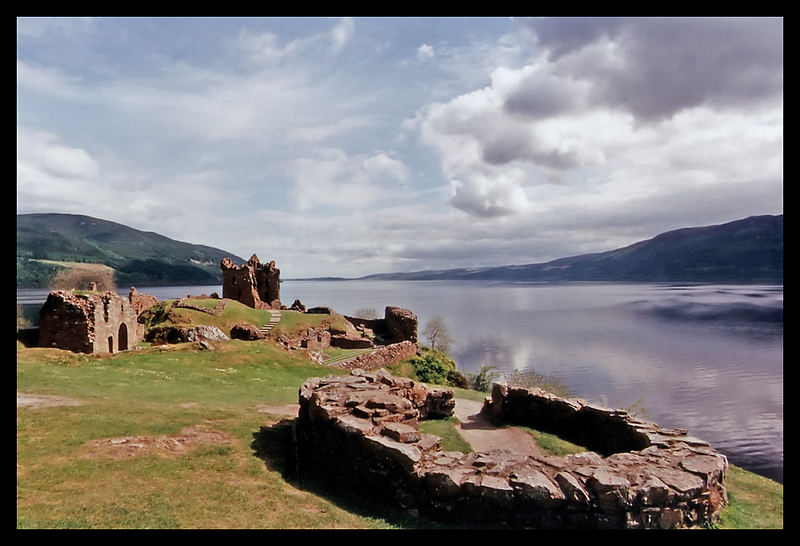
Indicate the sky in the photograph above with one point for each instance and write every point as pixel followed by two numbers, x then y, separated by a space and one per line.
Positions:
pixel 352 146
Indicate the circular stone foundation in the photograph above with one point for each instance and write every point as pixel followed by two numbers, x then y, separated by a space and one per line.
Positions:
pixel 364 428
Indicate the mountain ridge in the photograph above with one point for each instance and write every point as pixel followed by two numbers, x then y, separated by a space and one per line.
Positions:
pixel 746 250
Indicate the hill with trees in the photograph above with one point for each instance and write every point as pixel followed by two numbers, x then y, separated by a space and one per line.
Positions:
pixel 48 243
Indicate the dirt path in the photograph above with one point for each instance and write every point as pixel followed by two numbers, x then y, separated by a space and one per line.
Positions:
pixel 483 436
pixel 25 400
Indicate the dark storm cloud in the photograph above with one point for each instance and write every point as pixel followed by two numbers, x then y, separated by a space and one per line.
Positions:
pixel 661 66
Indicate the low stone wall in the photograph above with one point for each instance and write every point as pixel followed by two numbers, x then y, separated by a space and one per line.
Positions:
pixel 380 357
pixel 187 303
pixel 365 426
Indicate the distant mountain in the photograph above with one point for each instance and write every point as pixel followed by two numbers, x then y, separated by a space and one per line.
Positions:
pixel 138 257
pixel 748 250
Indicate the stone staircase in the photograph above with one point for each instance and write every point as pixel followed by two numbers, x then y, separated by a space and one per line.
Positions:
pixel 275 319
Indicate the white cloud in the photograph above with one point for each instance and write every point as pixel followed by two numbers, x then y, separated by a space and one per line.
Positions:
pixel 381 165
pixel 425 52
pixel 43 152
pixel 554 121
pixel 335 179
pixel 342 33
pixel 484 197
pixel 52 176
pixel 48 80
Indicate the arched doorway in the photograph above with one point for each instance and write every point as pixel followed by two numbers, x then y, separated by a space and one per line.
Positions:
pixel 122 338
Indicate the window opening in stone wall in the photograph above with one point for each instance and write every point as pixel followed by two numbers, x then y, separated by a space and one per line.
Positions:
pixel 110 344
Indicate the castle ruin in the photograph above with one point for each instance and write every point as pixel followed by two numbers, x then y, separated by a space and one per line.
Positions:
pixel 92 322
pixel 254 284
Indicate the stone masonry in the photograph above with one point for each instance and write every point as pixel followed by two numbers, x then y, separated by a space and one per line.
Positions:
pixel 254 284
pixel 365 426
pixel 92 322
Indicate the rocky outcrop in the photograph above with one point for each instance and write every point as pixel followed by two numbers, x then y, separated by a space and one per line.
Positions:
pixel 253 284
pixel 177 334
pixel 245 331
pixel 365 426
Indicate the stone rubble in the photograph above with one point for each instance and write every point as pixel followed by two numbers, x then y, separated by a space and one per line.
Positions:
pixel 366 426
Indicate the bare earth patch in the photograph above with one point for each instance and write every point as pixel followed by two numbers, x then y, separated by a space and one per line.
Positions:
pixel 287 409
pixel 167 445
pixel 34 401
pixel 483 436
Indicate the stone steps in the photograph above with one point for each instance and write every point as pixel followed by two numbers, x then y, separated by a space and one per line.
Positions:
pixel 275 319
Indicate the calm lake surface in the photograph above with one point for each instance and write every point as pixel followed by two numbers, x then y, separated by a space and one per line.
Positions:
pixel 707 358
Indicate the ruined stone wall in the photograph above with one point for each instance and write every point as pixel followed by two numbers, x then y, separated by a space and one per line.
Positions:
pixel 401 324
pixel 380 357
pixel 397 325
pixel 254 284
pixel 67 322
pixel 91 322
pixel 365 426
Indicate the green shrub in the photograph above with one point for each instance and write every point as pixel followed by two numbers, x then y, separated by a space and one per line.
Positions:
pixel 433 367
pixel 458 379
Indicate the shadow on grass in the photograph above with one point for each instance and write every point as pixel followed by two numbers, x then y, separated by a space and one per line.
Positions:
pixel 275 446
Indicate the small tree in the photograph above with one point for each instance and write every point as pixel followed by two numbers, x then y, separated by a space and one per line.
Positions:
pixel 482 381
pixel 437 335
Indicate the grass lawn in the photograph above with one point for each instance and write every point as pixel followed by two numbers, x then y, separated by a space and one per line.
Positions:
pixel 182 438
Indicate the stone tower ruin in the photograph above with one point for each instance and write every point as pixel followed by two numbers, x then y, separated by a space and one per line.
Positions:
pixel 254 284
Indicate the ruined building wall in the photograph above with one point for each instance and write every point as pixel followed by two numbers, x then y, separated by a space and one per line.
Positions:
pixel 103 322
pixel 396 326
pixel 254 284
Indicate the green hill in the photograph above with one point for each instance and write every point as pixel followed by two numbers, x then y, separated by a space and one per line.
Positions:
pixel 137 257
pixel 747 250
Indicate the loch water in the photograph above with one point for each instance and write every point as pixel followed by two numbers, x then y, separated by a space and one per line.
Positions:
pixel 703 357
